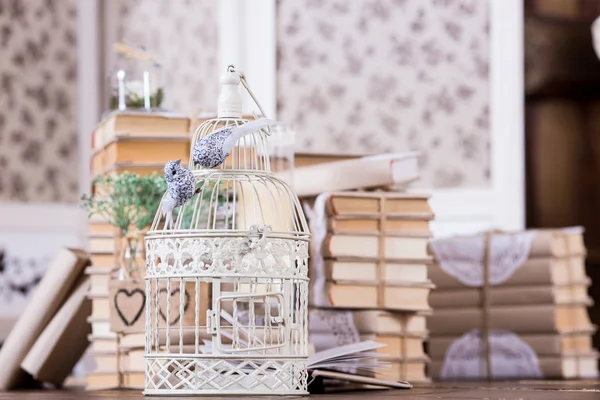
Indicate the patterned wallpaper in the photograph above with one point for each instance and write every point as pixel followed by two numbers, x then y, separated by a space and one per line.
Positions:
pixel 183 35
pixel 371 76
pixel 38 78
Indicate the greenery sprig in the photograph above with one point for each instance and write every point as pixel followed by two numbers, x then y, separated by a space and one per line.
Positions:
pixel 126 199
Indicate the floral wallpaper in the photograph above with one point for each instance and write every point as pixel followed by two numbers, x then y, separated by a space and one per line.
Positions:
pixel 182 34
pixel 372 76
pixel 38 78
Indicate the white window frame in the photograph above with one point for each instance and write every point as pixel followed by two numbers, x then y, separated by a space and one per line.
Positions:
pixel 248 40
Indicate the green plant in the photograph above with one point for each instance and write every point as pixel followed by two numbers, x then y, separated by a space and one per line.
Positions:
pixel 126 200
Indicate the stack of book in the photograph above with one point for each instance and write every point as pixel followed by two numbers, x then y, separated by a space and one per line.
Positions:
pixel 103 249
pixel 511 306
pixel 369 261
pixel 370 253
pixel 139 142
pixel 118 358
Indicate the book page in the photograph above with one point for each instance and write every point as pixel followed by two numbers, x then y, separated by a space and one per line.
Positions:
pixel 341 351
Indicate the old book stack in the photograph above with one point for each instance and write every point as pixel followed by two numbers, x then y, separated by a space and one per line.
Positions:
pixel 118 360
pixel 139 142
pixel 369 275
pixel 103 250
pixel 511 306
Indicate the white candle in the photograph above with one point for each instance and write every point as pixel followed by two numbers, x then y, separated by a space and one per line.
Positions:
pixel 146 90
pixel 121 89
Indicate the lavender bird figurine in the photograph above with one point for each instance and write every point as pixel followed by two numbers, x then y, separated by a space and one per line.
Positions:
pixel 181 187
pixel 212 150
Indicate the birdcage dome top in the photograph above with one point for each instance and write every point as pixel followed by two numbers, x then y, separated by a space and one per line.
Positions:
pixel 230 202
pixel 227 213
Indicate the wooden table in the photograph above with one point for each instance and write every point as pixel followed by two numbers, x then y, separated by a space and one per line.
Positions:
pixel 543 390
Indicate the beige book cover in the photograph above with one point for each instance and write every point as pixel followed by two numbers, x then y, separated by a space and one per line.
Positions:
pixel 103 380
pixel 142 150
pixel 64 340
pixel 104 260
pixel 103 344
pixel 103 244
pixel 99 284
pixel 412 371
pixel 543 344
pixel 105 361
pixel 356 296
pixel 367 271
pixel 101 327
pixel 132 124
pixel 366 322
pixel 100 270
pixel 100 306
pixel 392 226
pixel 553 367
pixel 360 173
pixel 534 271
pixel 518 319
pixel 389 323
pixel 369 246
pixel 101 227
pixel 132 360
pixel 395 205
pixel 53 289
pixel 512 296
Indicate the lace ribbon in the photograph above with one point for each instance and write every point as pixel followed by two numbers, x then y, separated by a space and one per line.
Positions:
pixel 491 259
pixel 463 256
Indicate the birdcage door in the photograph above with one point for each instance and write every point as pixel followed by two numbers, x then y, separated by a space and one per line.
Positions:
pixel 249 322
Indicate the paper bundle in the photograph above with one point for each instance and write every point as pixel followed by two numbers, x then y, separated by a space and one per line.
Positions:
pixel 511 306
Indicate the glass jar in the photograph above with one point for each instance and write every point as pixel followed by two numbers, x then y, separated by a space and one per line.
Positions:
pixel 135 84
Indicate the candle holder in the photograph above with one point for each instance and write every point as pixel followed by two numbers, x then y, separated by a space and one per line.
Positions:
pixel 136 81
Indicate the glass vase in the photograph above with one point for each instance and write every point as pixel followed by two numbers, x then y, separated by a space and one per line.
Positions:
pixel 281 152
pixel 132 256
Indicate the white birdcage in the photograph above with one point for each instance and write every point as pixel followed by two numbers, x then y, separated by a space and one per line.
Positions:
pixel 239 250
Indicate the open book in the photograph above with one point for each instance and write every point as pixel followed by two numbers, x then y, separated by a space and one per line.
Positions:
pixel 350 363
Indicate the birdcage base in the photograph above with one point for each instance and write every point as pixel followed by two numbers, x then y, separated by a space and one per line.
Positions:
pixel 188 376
